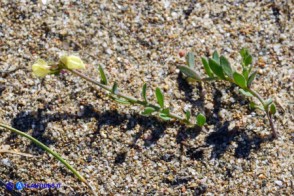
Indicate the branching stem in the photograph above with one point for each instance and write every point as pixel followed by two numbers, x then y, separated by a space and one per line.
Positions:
pixel 129 98
pixel 266 109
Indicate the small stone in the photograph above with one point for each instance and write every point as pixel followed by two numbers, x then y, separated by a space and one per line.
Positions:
pixel 103 135
pixel 262 176
pixel 279 183
pixel 182 53
pixel 6 162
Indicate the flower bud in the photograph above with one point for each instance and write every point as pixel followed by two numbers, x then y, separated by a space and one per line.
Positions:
pixel 41 68
pixel 72 62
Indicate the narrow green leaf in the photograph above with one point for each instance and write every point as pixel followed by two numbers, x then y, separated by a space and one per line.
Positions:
pixel 246 57
pixel 201 120
pixel 248 60
pixel 206 67
pixel 122 101
pixel 160 97
pixel 245 73
pixel 215 56
pixel 190 59
pixel 251 78
pixel 244 53
pixel 102 75
pixel 246 93
pixel 165 111
pixel 226 66
pixel 273 109
pixel 148 110
pixel 253 105
pixel 164 116
pixel 144 92
pixel 114 89
pixel 216 68
pixel 48 150
pixel 268 102
pixel 239 80
pixel 188 115
pixel 189 72
pixel 250 68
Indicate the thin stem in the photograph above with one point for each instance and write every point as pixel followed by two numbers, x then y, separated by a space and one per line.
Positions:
pixel 265 107
pixel 275 135
pixel 129 98
pixel 255 94
pixel 47 149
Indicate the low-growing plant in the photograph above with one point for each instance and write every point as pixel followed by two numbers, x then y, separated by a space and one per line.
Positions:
pixel 219 68
pixel 72 63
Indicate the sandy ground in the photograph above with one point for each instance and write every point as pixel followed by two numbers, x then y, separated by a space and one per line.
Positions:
pixel 113 146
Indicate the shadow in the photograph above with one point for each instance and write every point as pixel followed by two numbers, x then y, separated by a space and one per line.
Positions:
pixel 177 181
pixel 120 158
pixel 212 116
pixel 184 86
pixel 2 88
pixel 195 153
pixel 37 121
pixel 222 138
pixel 246 144
pixel 187 133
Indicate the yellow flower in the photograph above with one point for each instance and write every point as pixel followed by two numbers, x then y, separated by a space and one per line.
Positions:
pixel 72 62
pixel 41 68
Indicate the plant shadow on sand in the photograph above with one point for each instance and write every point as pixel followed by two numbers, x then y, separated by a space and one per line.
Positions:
pixel 37 121
pixel 221 139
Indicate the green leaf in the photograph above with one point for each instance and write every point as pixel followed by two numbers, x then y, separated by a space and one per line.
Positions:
pixel 245 73
pixel 165 111
pixel 144 92
pixel 216 68
pixel 246 57
pixel 114 89
pixel 250 68
pixel 273 109
pixel 164 116
pixel 102 75
pixel 239 80
pixel 160 97
pixel 189 72
pixel 215 56
pixel 188 115
pixel 268 102
pixel 206 67
pixel 148 110
pixel 190 59
pixel 200 120
pixel 226 66
pixel 122 101
pixel 253 105
pixel 246 93
pixel 251 78
pixel 248 60
pixel 244 53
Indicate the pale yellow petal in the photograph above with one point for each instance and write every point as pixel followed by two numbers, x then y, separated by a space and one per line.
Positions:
pixel 41 68
pixel 72 62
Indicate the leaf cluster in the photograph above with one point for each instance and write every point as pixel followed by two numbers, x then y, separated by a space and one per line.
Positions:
pixel 218 67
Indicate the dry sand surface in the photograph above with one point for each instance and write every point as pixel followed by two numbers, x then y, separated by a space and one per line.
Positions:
pixel 119 151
